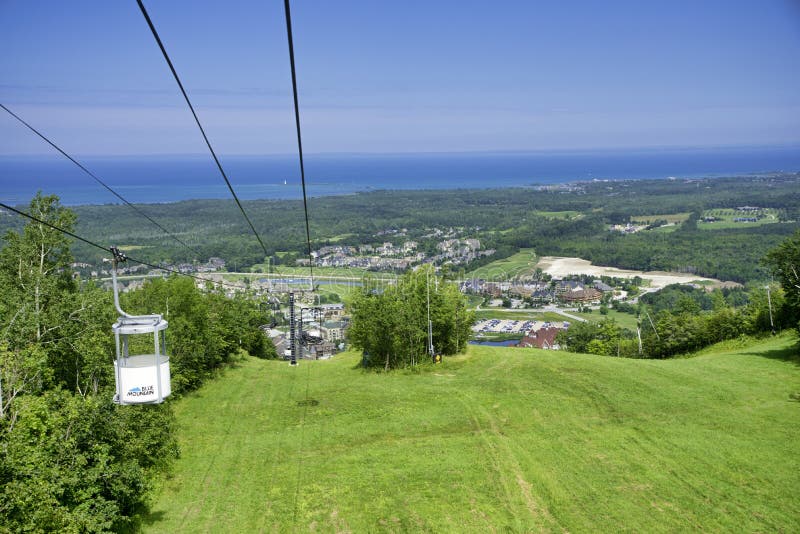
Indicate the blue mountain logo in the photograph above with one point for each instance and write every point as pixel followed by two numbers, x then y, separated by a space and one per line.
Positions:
pixel 135 390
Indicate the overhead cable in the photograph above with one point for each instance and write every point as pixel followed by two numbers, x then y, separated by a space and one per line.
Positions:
pixel 111 249
pixel 98 180
pixel 299 138
pixel 197 120
pixel 62 230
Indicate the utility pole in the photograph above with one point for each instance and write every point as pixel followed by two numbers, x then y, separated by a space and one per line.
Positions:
pixel 430 324
pixel 639 333
pixel 651 324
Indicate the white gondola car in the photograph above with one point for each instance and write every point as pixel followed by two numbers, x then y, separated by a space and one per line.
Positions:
pixel 140 378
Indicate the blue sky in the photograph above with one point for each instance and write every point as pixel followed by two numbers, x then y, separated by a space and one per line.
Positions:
pixel 401 76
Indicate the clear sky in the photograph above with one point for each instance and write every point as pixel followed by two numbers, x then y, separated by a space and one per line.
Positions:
pixel 401 76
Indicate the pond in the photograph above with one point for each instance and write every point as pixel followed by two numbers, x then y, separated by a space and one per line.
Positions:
pixel 506 343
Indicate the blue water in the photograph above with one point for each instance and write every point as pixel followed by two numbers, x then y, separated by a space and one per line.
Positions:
pixel 507 343
pixel 173 178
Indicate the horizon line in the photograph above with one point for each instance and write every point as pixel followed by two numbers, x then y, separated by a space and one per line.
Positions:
pixel 500 151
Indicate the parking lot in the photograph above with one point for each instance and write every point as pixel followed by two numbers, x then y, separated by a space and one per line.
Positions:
pixel 507 326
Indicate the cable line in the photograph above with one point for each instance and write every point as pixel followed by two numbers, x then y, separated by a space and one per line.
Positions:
pixel 63 231
pixel 299 138
pixel 197 120
pixel 99 181
pixel 111 249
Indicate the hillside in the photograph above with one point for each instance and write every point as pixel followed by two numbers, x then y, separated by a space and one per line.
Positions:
pixel 499 439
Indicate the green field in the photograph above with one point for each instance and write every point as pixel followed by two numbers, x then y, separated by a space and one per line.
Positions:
pixel 343 290
pixel 567 214
pixel 727 216
pixel 675 218
pixel 350 272
pixel 514 440
pixel 665 229
pixel 523 263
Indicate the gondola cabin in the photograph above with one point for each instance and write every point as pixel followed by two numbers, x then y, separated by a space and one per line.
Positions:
pixel 141 378
pixel 141 367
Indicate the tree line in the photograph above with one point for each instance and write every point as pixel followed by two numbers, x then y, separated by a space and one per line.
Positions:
pixel 680 319
pixel 503 219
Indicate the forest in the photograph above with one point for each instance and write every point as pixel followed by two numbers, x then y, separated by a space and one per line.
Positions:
pixel 506 220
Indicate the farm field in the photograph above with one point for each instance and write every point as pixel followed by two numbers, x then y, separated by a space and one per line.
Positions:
pixel 497 439
pixel 522 263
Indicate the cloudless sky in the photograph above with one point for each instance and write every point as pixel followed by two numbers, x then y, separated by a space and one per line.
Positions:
pixel 401 76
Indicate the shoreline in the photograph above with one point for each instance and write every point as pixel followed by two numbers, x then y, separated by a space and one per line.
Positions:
pixel 333 190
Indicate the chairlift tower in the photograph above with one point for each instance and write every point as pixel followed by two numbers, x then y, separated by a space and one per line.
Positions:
pixel 430 323
pixel 769 302
pixel 292 336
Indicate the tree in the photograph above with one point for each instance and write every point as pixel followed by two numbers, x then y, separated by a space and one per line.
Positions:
pixel 578 336
pixel 784 261
pixel 70 460
pixel 35 308
pixel 594 338
pixel 390 324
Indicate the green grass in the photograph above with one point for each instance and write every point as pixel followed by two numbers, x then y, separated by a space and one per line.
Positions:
pixel 350 272
pixel 514 440
pixel 343 290
pixel 522 263
pixel 340 237
pixel 664 229
pixel 727 216
pixel 566 214
pixel 675 218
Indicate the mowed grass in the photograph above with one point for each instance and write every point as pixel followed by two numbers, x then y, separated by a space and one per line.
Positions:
pixel 347 272
pixel 523 263
pixel 566 214
pixel 674 218
pixel 727 218
pixel 496 440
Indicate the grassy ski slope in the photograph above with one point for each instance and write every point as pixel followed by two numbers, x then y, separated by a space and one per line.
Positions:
pixel 498 439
